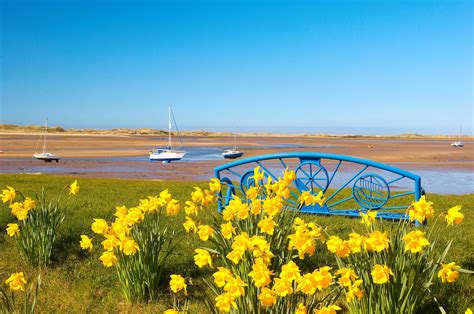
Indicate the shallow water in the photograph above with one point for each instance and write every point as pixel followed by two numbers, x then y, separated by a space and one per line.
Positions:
pixel 435 179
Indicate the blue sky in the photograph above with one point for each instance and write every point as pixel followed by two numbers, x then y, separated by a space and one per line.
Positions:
pixel 333 66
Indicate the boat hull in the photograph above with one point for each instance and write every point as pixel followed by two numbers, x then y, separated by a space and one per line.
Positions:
pixel 233 155
pixel 166 156
pixel 47 157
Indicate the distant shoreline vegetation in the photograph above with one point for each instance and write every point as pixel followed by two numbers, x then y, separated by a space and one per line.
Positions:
pixel 13 128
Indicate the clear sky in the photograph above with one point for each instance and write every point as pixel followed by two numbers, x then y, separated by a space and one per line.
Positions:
pixel 375 67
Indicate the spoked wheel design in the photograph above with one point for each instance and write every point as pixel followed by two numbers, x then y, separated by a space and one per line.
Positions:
pixel 311 176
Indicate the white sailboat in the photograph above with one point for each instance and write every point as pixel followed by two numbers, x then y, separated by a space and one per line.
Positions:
pixel 45 156
pixel 458 143
pixel 232 153
pixel 167 154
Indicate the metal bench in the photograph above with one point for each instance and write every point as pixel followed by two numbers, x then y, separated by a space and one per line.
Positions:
pixel 351 185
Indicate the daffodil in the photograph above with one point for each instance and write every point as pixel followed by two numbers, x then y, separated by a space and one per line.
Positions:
pixel 225 302
pixel 290 271
pixel 260 273
pixel 381 274
pixel 421 210
pixel 354 291
pixel 267 297
pixel 16 281
pixel 202 258
pixel 8 194
pixel 172 208
pixel 347 276
pixel 74 188
pixel 454 216
pixel 13 229
pixel 415 241
pixel 86 242
pixel 267 225
pixel 190 225
pixel 227 230
pixel 99 226
pixel 171 311
pixel 178 283
pixel 301 309
pixel 215 185
pixel 204 232
pixel 448 272
pixel 190 208
pixel 282 288
pixel 108 259
pixel 129 246
pixel 222 276
pixel 235 286
pixel 368 218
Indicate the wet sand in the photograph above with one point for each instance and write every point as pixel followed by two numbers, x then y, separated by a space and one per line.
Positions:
pixel 86 151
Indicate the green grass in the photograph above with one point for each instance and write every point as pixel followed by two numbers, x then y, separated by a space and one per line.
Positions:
pixel 77 281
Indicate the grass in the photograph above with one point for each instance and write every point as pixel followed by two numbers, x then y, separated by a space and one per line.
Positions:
pixel 77 281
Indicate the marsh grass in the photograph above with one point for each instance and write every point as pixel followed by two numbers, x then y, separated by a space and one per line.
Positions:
pixel 77 282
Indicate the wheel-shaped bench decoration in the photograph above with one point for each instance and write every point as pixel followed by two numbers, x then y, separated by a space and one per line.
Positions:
pixel 350 185
pixel 371 191
pixel 311 176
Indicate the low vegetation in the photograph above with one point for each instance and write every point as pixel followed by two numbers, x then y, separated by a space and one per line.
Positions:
pixel 76 280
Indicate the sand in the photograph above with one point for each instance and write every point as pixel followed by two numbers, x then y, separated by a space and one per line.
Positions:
pixel 432 153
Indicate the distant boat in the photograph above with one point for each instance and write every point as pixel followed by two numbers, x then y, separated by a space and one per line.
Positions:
pixel 232 153
pixel 45 156
pixel 167 154
pixel 458 143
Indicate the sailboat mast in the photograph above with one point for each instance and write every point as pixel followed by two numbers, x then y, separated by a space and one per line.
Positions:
pixel 235 141
pixel 169 126
pixel 45 131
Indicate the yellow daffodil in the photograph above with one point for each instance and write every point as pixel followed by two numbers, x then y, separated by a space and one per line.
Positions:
pixel 29 204
pixel 202 258
pixel 86 243
pixel 251 193
pixel 171 311
pixel 338 246
pixel 301 309
pixel 227 230
pixel 322 278
pixel 468 311
pixel 178 283
pixel 8 194
pixel 215 185
pixel 13 229
pixel 347 276
pixel 306 284
pixel 197 195
pixel 190 208
pixel 204 232
pixel 110 242
pixel 267 225
pixel 448 272
pixel 74 188
pixel 165 196
pixel 381 274
pixel 282 288
pixel 258 175
pixel 260 273
pixel 290 271
pixel 368 218
pixel 355 242
pixel 225 302
pixel 267 297
pixel 19 211
pixel 415 241
pixel 129 246
pixel 190 225
pixel 172 208
pixel 256 207
pixel 454 216
pixel 354 291
pixel 16 281
pixel 235 287
pixel 377 241
pixel 108 259
pixel 420 210
pixel 99 226
pixel 222 276
pixel 331 309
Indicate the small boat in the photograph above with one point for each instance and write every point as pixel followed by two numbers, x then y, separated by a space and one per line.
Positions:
pixel 458 143
pixel 45 156
pixel 167 154
pixel 232 153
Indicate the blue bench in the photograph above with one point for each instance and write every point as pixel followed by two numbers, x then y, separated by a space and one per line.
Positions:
pixel 351 185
